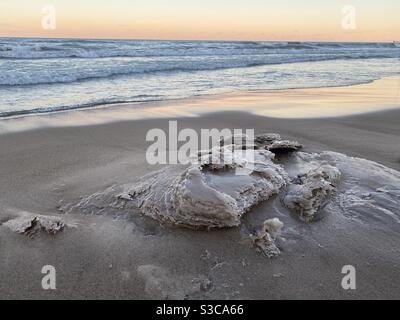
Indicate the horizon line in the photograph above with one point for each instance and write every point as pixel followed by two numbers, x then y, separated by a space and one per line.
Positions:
pixel 192 40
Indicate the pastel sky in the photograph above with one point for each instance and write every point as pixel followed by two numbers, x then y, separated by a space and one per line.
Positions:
pixel 376 20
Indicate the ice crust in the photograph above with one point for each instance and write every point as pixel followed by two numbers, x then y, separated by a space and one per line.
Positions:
pixel 206 195
pixel 218 194
pixel 31 224
pixel 310 191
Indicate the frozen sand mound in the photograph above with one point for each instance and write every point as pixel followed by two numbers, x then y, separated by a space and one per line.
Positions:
pixel 368 191
pixel 310 191
pixel 357 188
pixel 206 195
pixel 217 195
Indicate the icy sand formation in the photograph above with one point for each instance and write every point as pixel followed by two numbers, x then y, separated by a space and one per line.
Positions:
pixel 310 191
pixel 368 190
pixel 217 195
pixel 204 195
pixel 264 240
pixel 30 224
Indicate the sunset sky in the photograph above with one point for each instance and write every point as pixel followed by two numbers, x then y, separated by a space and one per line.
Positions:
pixel 376 20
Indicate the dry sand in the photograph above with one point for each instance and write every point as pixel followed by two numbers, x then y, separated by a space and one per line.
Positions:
pixel 136 258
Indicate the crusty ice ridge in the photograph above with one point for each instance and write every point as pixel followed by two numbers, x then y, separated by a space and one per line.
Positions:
pixel 205 195
pixel 310 191
pixel 31 224
pixel 213 195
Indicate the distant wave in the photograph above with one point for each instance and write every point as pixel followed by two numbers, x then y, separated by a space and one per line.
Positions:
pixel 47 75
pixel 57 79
pixel 50 49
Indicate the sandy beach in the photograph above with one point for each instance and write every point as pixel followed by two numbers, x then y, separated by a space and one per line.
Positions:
pixel 185 153
pixel 135 257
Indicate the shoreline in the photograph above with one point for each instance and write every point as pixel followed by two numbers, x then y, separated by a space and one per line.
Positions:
pixel 9 115
pixel 302 103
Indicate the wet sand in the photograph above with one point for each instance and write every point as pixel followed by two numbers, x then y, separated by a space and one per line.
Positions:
pixel 136 258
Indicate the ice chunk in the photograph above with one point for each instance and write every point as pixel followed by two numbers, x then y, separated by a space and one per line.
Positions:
pixel 283 146
pixel 274 143
pixel 273 226
pixel 31 224
pixel 309 192
pixel 267 138
pixel 264 240
pixel 205 195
